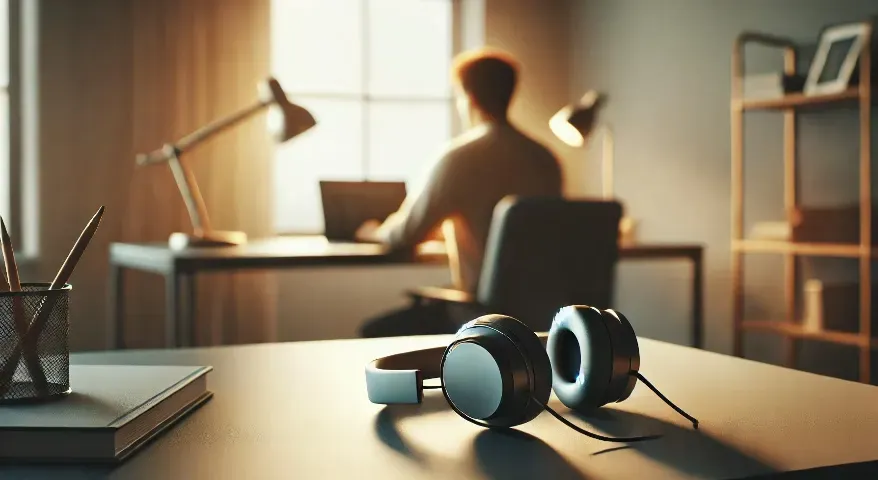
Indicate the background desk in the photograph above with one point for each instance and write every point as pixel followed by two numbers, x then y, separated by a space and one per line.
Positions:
pixel 299 411
pixel 180 267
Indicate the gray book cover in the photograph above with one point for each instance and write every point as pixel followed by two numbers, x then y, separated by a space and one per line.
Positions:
pixel 111 410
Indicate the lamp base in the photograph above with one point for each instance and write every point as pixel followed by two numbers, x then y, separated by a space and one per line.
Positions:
pixel 183 241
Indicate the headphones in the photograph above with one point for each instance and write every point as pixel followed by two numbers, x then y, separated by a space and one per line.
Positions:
pixel 498 373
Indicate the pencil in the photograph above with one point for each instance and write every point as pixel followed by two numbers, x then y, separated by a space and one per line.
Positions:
pixel 9 259
pixel 42 316
pixel 31 357
pixel 78 249
pixel 4 284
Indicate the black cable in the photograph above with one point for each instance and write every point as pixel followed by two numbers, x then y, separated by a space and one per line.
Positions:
pixel 554 414
pixel 670 403
pixel 594 435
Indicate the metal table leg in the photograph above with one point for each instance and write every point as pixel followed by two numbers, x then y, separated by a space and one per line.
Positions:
pixel 172 308
pixel 698 300
pixel 115 334
pixel 186 325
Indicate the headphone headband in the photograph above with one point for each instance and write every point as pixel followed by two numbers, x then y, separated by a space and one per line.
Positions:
pixel 400 378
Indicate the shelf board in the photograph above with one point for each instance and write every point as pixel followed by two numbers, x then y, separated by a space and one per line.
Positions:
pixel 801 248
pixel 794 330
pixel 796 100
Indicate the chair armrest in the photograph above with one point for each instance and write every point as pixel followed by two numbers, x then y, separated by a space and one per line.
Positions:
pixel 442 295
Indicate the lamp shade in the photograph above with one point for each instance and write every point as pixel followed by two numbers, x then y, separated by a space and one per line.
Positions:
pixel 286 120
pixel 575 122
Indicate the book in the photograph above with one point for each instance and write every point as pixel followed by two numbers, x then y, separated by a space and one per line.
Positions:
pixel 777 231
pixel 771 85
pixel 111 412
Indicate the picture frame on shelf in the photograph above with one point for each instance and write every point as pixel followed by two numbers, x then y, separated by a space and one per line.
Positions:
pixel 836 58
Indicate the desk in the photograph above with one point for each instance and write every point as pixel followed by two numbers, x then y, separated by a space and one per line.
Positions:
pixel 180 268
pixel 276 415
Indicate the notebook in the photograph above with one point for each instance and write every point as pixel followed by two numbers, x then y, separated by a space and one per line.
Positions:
pixel 347 205
pixel 112 411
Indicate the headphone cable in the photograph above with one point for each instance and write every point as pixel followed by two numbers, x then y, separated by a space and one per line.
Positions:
pixel 596 436
pixel 559 417
pixel 590 434
pixel 670 403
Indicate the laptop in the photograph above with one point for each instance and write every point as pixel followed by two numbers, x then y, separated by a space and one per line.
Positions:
pixel 347 205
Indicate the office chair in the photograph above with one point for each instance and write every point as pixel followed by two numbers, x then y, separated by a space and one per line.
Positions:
pixel 542 253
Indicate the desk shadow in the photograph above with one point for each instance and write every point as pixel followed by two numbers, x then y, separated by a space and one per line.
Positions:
pixel 387 419
pixel 692 452
pixel 506 454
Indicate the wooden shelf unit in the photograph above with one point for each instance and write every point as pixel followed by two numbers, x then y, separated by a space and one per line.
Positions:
pixel 796 331
pixel 798 100
pixel 802 248
pixel 859 97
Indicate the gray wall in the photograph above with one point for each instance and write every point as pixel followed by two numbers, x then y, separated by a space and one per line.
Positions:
pixel 666 68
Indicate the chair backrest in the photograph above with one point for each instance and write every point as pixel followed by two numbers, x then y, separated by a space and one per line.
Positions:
pixel 544 253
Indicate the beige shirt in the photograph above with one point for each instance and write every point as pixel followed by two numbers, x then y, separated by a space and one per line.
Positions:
pixel 462 188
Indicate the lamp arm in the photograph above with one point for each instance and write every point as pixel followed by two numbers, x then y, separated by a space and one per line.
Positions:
pixel 218 126
pixel 193 139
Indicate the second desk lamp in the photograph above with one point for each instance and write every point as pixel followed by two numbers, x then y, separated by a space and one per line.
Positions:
pixel 573 125
pixel 286 120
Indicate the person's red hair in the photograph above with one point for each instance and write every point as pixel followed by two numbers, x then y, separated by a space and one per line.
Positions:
pixel 488 77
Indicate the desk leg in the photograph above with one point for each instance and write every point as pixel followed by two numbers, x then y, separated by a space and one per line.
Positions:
pixel 172 308
pixel 116 308
pixel 186 325
pixel 698 300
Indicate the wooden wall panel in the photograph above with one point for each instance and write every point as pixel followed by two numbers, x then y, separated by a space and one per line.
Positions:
pixel 123 76
pixel 194 62
pixel 84 122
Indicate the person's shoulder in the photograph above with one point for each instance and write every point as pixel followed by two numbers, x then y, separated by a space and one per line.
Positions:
pixel 465 146
pixel 468 140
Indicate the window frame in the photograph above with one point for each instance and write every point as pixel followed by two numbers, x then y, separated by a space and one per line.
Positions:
pixel 365 99
pixel 23 141
pixel 13 95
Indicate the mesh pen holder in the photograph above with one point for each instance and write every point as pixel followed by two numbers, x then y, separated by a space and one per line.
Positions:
pixel 34 354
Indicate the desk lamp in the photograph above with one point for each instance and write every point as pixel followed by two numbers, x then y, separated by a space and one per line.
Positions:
pixel 285 121
pixel 574 124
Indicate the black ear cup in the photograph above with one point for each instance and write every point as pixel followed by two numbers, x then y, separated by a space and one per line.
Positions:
pixel 626 355
pixel 581 356
pixel 494 369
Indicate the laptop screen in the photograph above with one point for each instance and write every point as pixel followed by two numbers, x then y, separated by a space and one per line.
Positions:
pixel 347 205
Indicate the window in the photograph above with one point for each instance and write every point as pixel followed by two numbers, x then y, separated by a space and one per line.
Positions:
pixel 375 74
pixel 5 195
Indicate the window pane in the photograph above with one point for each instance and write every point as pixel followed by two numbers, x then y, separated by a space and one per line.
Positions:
pixel 409 47
pixel 406 137
pixel 4 43
pixel 331 150
pixel 316 45
pixel 4 157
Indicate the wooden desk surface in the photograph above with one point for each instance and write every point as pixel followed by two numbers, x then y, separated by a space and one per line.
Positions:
pixel 315 250
pixel 279 252
pixel 299 410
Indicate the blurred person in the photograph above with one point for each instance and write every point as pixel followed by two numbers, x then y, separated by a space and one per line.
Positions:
pixel 456 198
